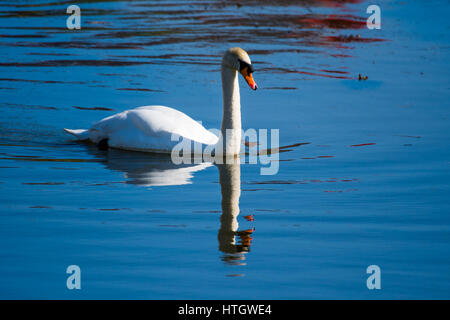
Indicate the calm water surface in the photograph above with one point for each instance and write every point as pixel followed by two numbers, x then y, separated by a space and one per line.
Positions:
pixel 367 184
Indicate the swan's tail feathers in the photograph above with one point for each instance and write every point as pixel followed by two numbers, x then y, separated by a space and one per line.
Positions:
pixel 81 134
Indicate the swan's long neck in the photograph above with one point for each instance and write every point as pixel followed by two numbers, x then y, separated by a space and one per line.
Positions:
pixel 231 121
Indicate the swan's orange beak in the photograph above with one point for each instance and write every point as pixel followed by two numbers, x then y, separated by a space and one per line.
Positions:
pixel 249 78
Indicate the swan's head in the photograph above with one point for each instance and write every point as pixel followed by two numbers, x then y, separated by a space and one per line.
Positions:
pixel 237 59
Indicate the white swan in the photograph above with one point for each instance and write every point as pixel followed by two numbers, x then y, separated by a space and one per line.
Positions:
pixel 150 128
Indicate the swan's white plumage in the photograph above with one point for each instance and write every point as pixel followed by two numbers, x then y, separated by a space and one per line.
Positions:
pixel 81 134
pixel 148 128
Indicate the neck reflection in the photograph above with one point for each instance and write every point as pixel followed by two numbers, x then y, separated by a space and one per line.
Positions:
pixel 233 243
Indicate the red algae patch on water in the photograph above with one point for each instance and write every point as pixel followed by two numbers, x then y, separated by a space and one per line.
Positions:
pixel 333 21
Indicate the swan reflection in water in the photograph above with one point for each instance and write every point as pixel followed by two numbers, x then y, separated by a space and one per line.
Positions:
pixel 230 185
pixel 148 170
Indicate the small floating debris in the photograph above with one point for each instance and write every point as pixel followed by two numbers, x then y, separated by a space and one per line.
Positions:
pixel 360 77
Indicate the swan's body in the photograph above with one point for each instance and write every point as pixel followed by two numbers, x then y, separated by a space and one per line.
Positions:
pixel 148 128
pixel 156 128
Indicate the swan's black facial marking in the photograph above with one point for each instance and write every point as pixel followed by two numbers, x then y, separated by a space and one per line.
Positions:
pixel 246 70
pixel 243 65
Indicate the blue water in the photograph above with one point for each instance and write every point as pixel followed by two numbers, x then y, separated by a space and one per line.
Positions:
pixel 370 187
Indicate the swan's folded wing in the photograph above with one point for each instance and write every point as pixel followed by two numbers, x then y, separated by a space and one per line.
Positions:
pixel 159 121
pixel 149 128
